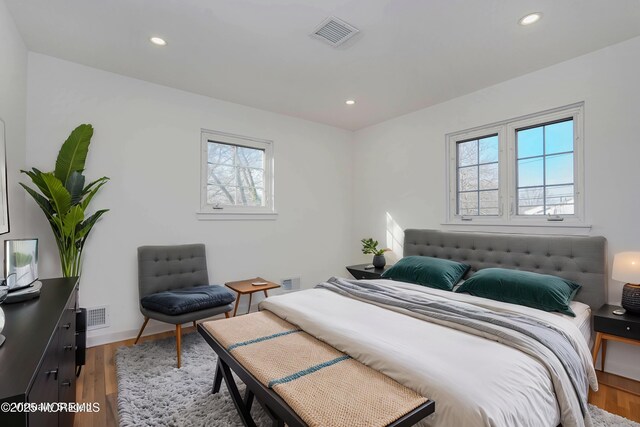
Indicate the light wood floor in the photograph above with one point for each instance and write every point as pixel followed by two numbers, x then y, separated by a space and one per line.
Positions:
pixel 97 383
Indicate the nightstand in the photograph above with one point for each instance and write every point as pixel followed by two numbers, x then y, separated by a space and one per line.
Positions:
pixel 611 327
pixel 359 272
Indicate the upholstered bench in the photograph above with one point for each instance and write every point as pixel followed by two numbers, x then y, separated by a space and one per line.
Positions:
pixel 314 385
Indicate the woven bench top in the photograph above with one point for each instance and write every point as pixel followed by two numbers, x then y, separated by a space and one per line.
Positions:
pixel 322 385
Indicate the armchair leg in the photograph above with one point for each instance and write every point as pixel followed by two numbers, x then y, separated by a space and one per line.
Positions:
pixel 144 325
pixel 178 337
pixel 226 314
pixel 194 323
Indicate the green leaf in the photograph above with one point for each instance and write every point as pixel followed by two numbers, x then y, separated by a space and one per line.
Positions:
pixel 75 186
pixel 60 197
pixel 40 200
pixel 73 153
pixel 87 224
pixel 71 221
pixel 91 184
pixel 36 178
pixel 87 200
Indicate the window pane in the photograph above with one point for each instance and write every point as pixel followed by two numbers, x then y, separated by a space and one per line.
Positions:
pixel 489 176
pixel 468 178
pixel 217 194
pixel 247 196
pixel 489 203
pixel 530 142
pixel 222 175
pixel 468 153
pixel 560 200
pixel 559 169
pixel 530 172
pixel 251 177
pixel 489 149
pixel 531 201
pixel 468 203
pixel 251 157
pixel 558 137
pixel 220 153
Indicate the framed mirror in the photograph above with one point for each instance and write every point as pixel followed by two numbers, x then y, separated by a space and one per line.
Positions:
pixel 4 206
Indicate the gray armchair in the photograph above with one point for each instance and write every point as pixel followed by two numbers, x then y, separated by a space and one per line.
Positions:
pixel 174 287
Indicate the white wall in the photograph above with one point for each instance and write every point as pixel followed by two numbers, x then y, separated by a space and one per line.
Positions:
pixel 399 165
pixel 147 139
pixel 13 95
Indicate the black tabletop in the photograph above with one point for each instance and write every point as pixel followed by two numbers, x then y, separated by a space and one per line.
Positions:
pixel 606 311
pixel 29 326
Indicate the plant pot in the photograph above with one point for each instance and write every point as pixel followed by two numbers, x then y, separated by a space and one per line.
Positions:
pixel 379 261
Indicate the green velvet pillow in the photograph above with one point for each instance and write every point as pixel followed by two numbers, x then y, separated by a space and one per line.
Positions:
pixel 422 270
pixel 541 291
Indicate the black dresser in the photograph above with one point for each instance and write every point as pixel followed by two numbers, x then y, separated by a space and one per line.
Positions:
pixel 37 360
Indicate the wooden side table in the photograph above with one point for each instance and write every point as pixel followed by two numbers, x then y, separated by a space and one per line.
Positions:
pixel 243 287
pixel 611 327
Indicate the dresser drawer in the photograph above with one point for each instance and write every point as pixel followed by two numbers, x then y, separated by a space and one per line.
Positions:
pixel 616 327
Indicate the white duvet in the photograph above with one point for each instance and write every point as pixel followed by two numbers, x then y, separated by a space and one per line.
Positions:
pixel 473 380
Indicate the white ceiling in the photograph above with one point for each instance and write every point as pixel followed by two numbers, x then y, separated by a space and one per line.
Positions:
pixel 410 53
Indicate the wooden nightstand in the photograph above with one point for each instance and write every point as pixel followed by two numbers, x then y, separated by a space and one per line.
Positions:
pixel 611 327
pixel 243 287
pixel 359 272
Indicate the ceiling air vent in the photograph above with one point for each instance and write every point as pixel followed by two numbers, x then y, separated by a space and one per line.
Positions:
pixel 334 31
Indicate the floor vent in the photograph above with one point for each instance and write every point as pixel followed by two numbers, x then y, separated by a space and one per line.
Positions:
pixel 334 31
pixel 97 318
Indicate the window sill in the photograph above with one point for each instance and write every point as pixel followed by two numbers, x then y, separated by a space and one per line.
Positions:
pixel 567 228
pixel 236 216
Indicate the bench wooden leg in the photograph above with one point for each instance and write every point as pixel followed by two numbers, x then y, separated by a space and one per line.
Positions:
pixel 144 325
pixel 604 352
pixel 235 395
pixel 178 344
pixel 217 380
pixel 248 399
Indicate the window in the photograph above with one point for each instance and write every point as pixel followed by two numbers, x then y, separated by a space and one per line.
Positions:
pixel 478 176
pixel 525 171
pixel 237 175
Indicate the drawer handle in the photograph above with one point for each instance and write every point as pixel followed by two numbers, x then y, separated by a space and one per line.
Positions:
pixel 68 347
pixel 66 383
pixel 67 326
pixel 54 372
pixel 628 328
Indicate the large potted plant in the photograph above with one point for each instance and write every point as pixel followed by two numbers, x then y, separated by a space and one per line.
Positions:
pixel 370 246
pixel 64 198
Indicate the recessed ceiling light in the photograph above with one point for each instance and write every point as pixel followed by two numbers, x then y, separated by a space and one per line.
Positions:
pixel 530 18
pixel 349 102
pixel 158 41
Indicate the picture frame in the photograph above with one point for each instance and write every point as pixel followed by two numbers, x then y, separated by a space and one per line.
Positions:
pixel 4 203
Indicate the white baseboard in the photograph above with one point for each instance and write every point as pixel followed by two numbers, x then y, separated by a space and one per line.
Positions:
pixel 153 327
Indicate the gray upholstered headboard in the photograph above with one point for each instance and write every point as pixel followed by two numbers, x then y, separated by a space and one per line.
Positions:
pixel 581 259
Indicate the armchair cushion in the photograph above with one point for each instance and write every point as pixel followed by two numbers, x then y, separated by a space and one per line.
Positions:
pixel 187 300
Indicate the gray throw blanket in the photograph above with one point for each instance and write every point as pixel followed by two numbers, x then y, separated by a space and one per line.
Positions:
pixel 497 324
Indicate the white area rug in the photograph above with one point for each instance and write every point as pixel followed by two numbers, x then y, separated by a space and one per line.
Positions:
pixel 153 392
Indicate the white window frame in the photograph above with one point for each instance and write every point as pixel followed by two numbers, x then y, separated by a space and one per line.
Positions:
pixel 507 170
pixel 232 212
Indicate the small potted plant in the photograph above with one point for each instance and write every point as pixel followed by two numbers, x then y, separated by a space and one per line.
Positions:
pixel 370 246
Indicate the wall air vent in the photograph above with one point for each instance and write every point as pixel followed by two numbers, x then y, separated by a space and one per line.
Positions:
pixel 98 317
pixel 334 31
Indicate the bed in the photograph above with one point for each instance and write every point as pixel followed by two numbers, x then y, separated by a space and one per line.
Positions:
pixel 475 379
